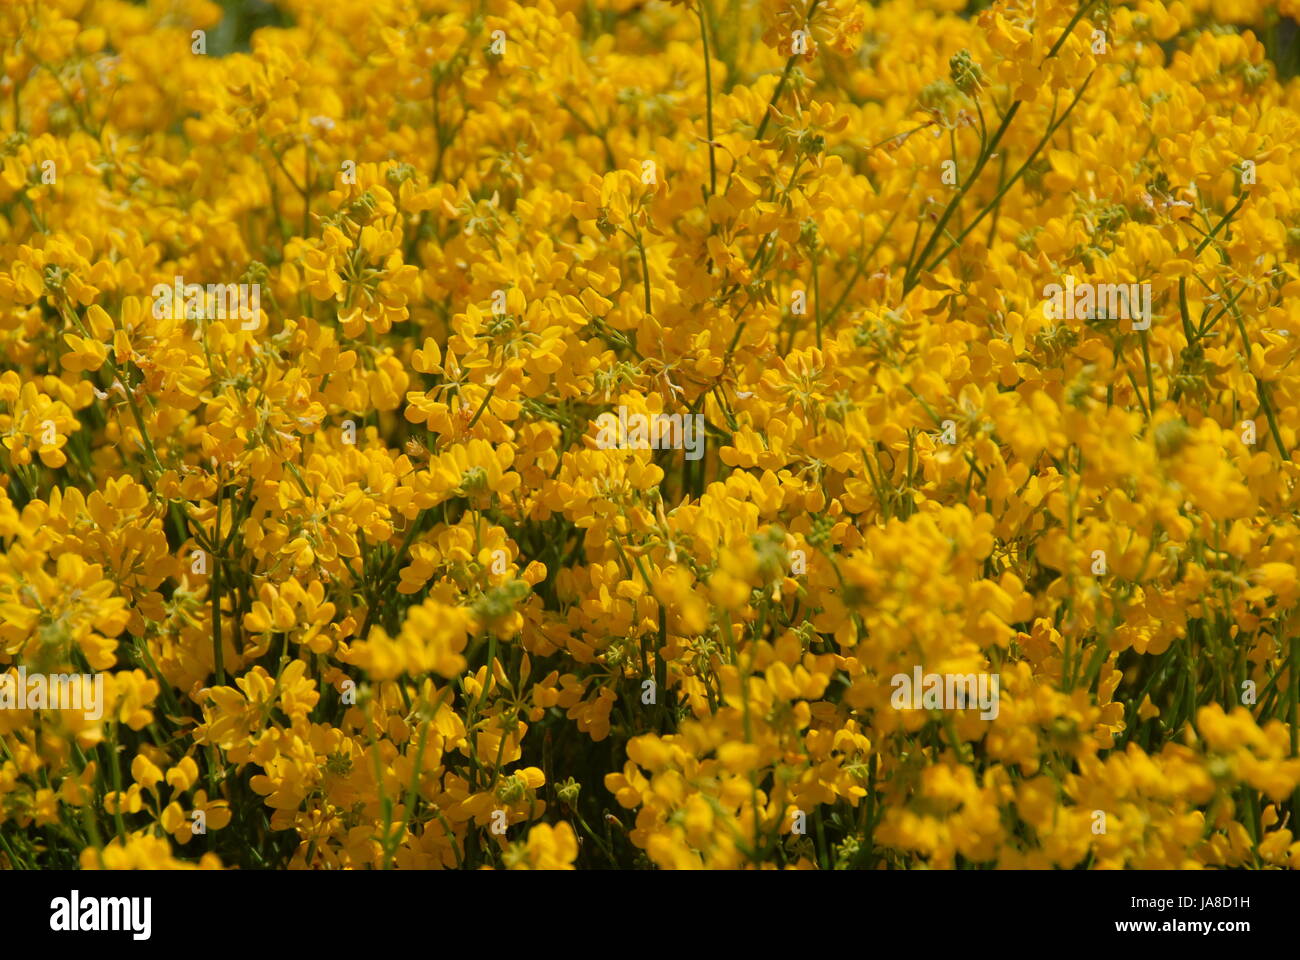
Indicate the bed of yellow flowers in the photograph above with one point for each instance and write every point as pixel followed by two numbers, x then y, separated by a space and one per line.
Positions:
pixel 363 587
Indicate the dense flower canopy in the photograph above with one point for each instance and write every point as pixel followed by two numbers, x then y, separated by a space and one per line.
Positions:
pixel 308 315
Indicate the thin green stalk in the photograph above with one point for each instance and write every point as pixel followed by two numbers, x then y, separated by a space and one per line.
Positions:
pixel 708 98
pixel 645 273
pixel 785 76
pixel 817 296
pixel 1146 362
pixel 913 277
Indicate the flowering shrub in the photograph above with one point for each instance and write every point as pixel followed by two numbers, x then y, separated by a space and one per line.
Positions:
pixel 610 434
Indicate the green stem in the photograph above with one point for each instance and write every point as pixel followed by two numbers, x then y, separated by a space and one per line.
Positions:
pixel 708 98
pixel 785 76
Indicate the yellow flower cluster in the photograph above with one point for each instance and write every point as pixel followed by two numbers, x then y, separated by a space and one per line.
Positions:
pixel 949 517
